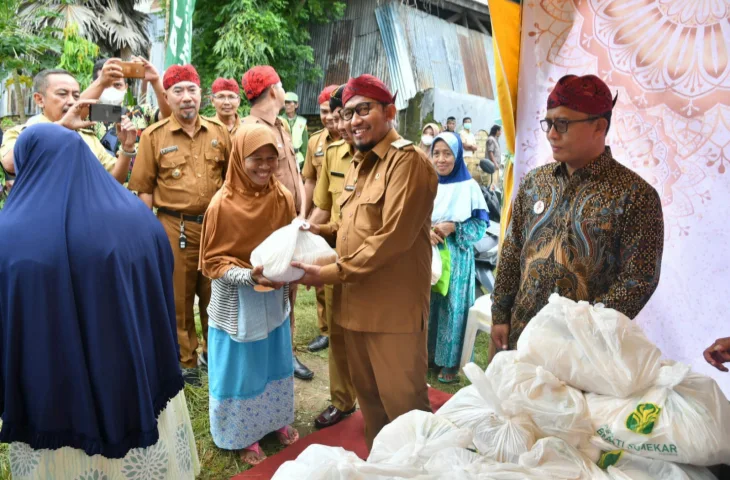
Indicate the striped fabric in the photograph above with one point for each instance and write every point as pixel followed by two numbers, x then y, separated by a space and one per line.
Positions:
pixel 223 306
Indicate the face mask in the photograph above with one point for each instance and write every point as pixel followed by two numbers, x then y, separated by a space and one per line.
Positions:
pixel 427 140
pixel 112 96
pixel 467 126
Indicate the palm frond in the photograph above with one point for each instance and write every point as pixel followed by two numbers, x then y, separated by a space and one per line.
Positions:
pixel 112 24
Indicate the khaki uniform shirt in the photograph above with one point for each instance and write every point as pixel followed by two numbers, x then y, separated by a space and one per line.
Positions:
pixel 180 172
pixel 383 275
pixel 318 144
pixel 233 130
pixel 105 158
pixel 288 172
pixel 331 182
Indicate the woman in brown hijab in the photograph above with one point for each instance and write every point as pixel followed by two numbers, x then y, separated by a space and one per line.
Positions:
pixel 249 341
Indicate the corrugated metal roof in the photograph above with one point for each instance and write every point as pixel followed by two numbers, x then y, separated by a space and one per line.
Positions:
pixel 408 49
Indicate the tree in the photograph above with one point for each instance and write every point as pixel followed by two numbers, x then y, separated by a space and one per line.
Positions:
pixel 22 52
pixel 245 33
pixel 78 55
pixel 114 25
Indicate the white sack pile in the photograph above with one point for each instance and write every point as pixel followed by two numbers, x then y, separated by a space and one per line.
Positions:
pixel 585 396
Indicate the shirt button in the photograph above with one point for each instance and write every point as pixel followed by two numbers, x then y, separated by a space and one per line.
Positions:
pixel 358 194
pixel 199 175
pixel 195 156
pixel 350 214
pixel 257 194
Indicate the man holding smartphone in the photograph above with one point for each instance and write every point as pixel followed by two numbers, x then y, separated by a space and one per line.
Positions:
pixel 58 94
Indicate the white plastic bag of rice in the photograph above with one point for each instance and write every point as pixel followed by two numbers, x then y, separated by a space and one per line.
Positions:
pixel 591 348
pixel 683 418
pixel 622 465
pixel 413 438
pixel 501 430
pixel 557 409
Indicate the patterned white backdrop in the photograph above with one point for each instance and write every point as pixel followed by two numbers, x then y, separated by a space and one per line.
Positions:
pixel 669 61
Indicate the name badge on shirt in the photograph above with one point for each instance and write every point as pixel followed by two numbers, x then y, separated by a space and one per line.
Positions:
pixel 319 154
pixel 340 175
pixel 349 188
pixel 165 150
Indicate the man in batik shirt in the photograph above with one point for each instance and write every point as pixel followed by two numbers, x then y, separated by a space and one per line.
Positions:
pixel 585 227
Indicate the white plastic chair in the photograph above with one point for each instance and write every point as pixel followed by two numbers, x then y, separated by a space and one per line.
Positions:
pixel 480 319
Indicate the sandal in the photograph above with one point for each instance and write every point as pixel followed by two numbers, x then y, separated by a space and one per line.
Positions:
pixel 449 375
pixel 253 455
pixel 287 435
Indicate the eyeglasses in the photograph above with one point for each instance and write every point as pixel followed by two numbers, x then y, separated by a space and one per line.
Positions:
pixel 561 125
pixel 226 98
pixel 362 109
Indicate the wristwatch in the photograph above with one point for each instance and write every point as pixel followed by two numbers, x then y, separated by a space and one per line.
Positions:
pixel 129 154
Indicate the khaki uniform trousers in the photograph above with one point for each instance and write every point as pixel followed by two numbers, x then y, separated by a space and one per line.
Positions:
pixel 389 373
pixel 322 312
pixel 188 282
pixel 342 391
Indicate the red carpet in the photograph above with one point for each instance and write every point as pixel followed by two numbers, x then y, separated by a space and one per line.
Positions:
pixel 348 434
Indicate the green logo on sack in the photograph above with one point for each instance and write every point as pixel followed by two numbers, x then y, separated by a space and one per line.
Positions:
pixel 642 419
pixel 609 458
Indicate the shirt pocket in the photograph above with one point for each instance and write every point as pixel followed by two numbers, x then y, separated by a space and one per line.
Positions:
pixel 172 168
pixel 369 213
pixel 214 162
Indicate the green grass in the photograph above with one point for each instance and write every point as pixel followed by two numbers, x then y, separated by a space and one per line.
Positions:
pixel 217 464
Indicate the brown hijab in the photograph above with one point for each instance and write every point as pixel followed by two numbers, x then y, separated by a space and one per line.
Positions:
pixel 242 214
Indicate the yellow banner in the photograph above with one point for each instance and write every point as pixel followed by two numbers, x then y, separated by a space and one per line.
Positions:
pixel 506 25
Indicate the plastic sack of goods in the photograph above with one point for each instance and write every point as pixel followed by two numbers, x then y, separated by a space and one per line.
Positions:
pixel 411 439
pixel 684 417
pixel 436 266
pixel 502 431
pixel 622 465
pixel 320 462
pixel 291 244
pixel 557 409
pixel 592 348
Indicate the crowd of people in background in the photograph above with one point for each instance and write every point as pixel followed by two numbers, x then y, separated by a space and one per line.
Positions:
pixel 118 283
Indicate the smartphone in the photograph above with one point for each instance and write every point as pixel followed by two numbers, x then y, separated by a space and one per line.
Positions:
pixel 100 112
pixel 132 69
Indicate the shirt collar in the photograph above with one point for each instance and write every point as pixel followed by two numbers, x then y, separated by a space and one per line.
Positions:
pixel 199 122
pixel 265 115
pixel 596 168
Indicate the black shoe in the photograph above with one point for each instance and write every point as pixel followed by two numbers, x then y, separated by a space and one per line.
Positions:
pixel 191 376
pixel 331 416
pixel 203 361
pixel 301 371
pixel 319 343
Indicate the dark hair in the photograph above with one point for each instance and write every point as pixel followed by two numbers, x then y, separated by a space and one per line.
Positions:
pixel 607 116
pixel 451 119
pixel 263 94
pixel 493 131
pixel 40 81
pixel 465 119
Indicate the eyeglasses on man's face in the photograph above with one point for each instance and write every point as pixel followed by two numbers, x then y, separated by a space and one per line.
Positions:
pixel 561 125
pixel 362 109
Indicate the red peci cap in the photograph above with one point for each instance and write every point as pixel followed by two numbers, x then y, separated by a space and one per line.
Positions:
pixel 180 73
pixel 225 84
pixel 258 79
pixel 588 94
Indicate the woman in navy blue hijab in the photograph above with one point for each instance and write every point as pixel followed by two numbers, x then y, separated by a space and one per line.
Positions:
pixel 90 382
